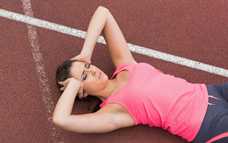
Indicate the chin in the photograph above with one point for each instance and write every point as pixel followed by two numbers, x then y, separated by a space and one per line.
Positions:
pixel 106 77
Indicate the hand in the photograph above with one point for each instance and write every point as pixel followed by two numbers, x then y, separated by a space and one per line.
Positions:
pixel 82 58
pixel 67 81
pixel 81 94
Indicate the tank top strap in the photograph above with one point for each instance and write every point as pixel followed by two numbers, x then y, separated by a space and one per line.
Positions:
pixel 119 68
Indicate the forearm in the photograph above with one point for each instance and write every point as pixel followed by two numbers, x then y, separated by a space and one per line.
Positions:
pixel 95 27
pixel 66 101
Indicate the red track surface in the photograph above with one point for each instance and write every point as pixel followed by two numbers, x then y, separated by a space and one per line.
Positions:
pixel 193 29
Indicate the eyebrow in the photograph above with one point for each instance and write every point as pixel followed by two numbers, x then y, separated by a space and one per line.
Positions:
pixel 76 60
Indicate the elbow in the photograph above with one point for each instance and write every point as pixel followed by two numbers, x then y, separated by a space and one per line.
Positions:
pixel 58 121
pixel 102 8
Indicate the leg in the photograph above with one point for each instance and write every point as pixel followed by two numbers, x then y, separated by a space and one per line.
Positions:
pixel 215 120
pixel 225 91
pixel 222 90
pixel 221 126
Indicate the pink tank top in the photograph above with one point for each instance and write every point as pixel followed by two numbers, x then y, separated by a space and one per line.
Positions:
pixel 157 99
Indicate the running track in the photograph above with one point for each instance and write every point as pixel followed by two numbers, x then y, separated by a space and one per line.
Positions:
pixel 195 30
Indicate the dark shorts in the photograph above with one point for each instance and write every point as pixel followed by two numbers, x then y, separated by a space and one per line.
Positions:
pixel 216 118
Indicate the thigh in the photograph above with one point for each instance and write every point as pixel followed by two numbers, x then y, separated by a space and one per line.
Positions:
pixel 223 90
pixel 216 116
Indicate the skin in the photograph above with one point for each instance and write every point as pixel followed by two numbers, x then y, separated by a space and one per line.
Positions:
pixel 101 88
pixel 93 85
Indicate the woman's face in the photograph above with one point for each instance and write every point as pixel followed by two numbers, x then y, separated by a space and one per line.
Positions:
pixel 96 79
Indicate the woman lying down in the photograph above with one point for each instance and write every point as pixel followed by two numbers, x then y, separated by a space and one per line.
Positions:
pixel 137 93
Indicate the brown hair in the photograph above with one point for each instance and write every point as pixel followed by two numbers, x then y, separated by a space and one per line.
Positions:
pixel 63 72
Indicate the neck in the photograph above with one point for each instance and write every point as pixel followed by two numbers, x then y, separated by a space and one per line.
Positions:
pixel 108 90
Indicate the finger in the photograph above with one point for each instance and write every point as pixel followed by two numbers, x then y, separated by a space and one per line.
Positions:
pixel 62 88
pixel 65 82
pixel 62 82
pixel 85 94
pixel 81 93
pixel 80 96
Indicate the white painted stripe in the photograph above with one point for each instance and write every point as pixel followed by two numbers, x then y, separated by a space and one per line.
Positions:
pixel 134 48
pixel 179 60
pixel 43 79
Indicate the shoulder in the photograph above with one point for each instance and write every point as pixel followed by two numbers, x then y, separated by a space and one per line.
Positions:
pixel 120 115
pixel 126 64
pixel 123 67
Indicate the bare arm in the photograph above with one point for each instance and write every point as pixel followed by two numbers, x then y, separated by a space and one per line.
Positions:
pixel 103 20
pixel 95 27
pixel 98 122
pixel 65 103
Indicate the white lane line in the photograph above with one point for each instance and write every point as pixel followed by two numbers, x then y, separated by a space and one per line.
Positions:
pixel 43 79
pixel 134 48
